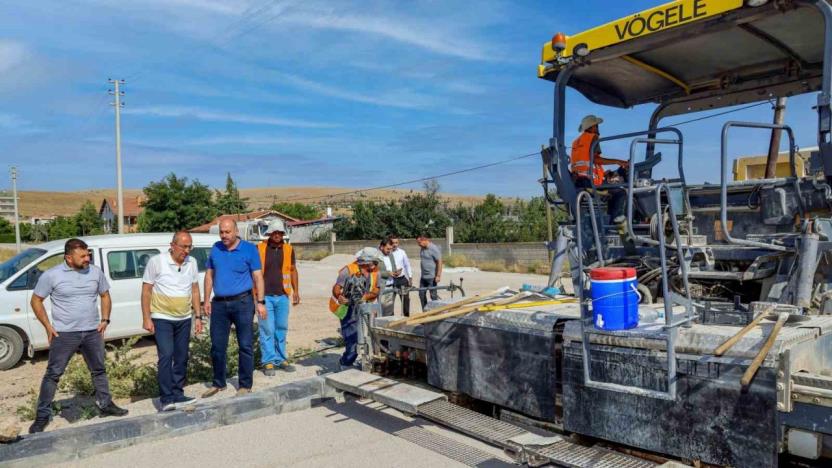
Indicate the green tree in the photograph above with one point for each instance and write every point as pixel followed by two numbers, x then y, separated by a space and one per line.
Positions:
pixel 88 221
pixel 6 227
pixel 298 210
pixel 484 222
pixel 173 204
pixel 230 202
pixel 414 214
pixel 62 227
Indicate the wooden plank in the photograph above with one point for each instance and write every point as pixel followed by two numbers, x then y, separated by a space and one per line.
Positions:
pixel 471 308
pixel 521 305
pixel 445 308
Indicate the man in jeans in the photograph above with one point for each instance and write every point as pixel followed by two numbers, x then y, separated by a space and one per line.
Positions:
pixel 280 276
pixel 233 272
pixel 170 297
pixel 74 287
pixel 430 258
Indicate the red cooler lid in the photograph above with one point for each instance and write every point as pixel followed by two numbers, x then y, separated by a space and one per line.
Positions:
pixel 612 273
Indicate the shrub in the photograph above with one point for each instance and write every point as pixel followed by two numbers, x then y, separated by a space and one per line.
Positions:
pixel 199 365
pixel 27 411
pixel 127 377
pixel 312 255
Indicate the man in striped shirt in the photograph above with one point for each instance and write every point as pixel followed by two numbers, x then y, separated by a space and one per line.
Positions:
pixel 170 298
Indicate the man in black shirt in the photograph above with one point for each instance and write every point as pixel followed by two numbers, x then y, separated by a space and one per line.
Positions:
pixel 280 277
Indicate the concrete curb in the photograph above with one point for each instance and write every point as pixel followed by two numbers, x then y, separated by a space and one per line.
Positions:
pixel 73 443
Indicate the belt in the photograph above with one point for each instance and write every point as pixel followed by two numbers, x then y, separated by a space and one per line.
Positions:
pixel 242 295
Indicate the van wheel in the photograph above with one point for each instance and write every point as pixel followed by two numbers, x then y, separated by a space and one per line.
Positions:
pixel 11 348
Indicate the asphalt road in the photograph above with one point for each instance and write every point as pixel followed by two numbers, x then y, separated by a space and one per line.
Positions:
pixel 351 434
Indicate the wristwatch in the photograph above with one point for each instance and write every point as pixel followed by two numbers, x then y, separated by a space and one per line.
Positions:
pixel 261 302
pixel 107 321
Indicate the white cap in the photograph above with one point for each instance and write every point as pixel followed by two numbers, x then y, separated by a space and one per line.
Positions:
pixel 276 225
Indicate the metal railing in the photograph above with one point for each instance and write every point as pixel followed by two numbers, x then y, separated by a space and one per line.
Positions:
pixel 723 182
pixel 594 221
pixel 671 325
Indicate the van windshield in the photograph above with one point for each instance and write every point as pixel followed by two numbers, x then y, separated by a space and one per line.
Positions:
pixel 18 262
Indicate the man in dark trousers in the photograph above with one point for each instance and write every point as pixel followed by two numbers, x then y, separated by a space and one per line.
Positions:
pixel 234 271
pixel 74 287
pixel 430 259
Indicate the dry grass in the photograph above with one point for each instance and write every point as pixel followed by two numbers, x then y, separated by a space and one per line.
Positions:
pixel 6 254
pixel 36 203
pixel 459 260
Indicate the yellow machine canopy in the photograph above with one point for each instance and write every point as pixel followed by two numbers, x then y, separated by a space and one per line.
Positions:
pixel 699 54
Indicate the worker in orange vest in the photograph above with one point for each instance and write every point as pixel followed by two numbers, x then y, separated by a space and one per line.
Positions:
pixel 346 298
pixel 581 171
pixel 280 279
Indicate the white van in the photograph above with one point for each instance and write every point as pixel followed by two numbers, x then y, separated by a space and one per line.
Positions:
pixel 123 259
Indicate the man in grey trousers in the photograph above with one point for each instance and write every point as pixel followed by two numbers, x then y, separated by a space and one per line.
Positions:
pixel 74 287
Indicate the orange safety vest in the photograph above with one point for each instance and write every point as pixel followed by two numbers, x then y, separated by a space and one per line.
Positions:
pixel 288 267
pixel 354 270
pixel 580 159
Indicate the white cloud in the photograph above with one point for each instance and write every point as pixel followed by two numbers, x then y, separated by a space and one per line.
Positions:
pixel 403 98
pixel 427 36
pixel 12 122
pixel 221 116
pixel 12 54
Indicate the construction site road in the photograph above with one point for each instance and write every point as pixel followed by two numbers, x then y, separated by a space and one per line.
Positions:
pixel 356 433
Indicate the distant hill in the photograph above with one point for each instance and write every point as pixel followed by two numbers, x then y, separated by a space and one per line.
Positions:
pixel 41 204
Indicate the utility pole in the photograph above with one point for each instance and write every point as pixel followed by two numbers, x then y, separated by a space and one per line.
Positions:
pixel 13 171
pixel 774 143
pixel 116 93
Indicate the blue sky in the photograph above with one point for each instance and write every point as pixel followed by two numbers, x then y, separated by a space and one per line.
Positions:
pixel 339 93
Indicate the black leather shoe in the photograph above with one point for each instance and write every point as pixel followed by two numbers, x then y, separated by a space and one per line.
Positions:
pixel 112 410
pixel 38 426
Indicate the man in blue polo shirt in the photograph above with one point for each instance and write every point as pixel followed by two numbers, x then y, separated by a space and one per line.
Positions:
pixel 233 271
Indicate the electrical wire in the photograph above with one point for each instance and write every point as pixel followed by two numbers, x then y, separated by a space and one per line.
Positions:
pixel 484 166
pixel 413 181
pixel 721 113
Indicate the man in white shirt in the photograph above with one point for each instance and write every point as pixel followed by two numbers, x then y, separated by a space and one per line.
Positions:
pixel 170 298
pixel 402 279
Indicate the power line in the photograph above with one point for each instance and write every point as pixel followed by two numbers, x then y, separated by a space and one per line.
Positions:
pixel 504 161
pixel 721 113
pixel 420 179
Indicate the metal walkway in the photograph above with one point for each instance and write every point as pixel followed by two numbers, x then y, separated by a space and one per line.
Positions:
pixel 522 445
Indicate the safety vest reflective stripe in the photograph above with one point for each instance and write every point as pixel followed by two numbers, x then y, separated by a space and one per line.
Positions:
pixel 353 269
pixel 287 268
pixel 580 159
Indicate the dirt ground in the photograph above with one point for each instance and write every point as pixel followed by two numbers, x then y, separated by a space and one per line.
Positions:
pixel 309 322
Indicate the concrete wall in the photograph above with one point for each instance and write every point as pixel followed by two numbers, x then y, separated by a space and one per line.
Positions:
pixel 305 233
pixel 515 253
pixel 351 247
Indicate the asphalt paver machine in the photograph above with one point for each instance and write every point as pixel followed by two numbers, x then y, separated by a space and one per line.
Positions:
pixel 718 255
pixel 734 367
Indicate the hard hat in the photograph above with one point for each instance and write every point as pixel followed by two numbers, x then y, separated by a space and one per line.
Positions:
pixel 589 121
pixel 368 255
pixel 276 225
